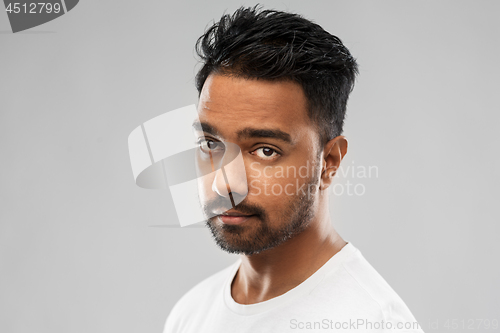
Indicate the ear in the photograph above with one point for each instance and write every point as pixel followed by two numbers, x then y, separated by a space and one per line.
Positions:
pixel 333 153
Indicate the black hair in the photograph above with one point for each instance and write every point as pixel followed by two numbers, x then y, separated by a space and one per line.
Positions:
pixel 274 45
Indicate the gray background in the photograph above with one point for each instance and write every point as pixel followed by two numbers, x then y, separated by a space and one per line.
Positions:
pixel 77 253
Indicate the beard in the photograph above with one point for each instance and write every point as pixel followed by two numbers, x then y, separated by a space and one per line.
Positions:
pixel 253 237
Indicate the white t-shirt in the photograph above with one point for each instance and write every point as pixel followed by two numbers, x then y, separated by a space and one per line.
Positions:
pixel 346 294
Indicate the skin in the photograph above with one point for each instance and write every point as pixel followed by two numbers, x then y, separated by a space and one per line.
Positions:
pixel 231 104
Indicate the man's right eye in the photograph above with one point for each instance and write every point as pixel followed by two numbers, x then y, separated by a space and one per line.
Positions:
pixel 210 146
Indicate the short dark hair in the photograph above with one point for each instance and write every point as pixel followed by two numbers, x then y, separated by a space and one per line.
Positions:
pixel 274 45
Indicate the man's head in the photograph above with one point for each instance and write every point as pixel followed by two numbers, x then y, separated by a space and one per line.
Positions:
pixel 274 45
pixel 276 85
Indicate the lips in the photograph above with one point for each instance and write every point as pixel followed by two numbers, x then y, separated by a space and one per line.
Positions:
pixel 235 214
pixel 234 218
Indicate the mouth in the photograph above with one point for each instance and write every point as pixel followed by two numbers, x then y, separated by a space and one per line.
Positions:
pixel 234 218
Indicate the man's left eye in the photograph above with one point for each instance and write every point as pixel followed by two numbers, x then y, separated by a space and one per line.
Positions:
pixel 266 153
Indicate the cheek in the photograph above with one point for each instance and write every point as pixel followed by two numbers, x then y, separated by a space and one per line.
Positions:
pixel 205 168
pixel 270 184
pixel 276 183
pixel 205 191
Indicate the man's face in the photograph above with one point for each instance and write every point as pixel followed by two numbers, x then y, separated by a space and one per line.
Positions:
pixel 268 121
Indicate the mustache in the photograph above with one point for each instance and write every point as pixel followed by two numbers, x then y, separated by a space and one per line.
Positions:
pixel 221 204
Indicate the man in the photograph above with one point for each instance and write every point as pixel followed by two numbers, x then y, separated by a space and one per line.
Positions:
pixel 276 85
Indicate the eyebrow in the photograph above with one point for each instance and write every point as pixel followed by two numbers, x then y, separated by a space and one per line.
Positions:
pixel 206 127
pixel 246 133
pixel 249 132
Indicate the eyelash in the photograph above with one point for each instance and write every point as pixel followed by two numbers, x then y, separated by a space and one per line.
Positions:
pixel 263 147
pixel 270 158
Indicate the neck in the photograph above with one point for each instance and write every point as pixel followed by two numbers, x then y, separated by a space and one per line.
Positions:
pixel 275 271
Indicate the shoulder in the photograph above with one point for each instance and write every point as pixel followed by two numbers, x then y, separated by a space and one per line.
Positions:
pixel 200 296
pixel 206 289
pixel 376 292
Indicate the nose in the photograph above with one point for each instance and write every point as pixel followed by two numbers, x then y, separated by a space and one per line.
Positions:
pixel 230 178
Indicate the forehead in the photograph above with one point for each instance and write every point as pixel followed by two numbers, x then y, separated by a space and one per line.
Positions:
pixel 232 103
